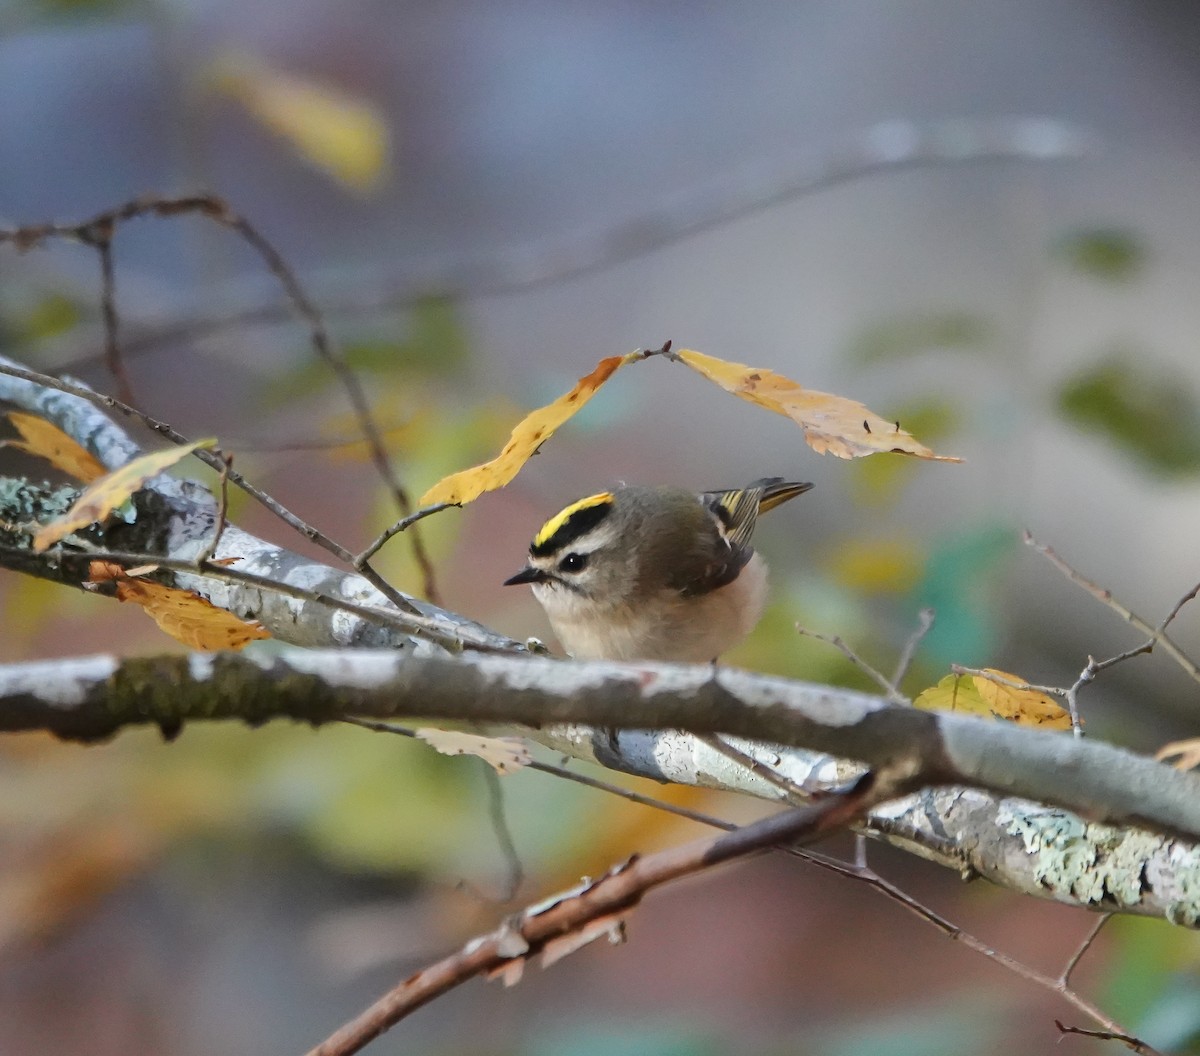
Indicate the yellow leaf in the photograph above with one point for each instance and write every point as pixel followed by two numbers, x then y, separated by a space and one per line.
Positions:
pixel 185 616
pixel 877 565
pixel 530 433
pixel 977 695
pixel 1188 752
pixel 504 754
pixel 832 424
pixel 103 496
pixel 43 440
pixel 342 135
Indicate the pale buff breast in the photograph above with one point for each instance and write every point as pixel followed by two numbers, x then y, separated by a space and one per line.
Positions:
pixel 694 629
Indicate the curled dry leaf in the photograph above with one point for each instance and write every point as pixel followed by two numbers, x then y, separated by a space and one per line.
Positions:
pixel 831 424
pixel 978 695
pixel 504 754
pixel 1187 751
pixel 529 434
pixel 102 496
pixel 43 440
pixel 185 616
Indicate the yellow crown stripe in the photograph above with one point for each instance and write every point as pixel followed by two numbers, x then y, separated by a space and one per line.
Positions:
pixel 547 531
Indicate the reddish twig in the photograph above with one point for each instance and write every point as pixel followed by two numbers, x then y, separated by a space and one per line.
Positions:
pixel 598 909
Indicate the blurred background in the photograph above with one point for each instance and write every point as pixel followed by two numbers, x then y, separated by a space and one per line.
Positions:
pixel 981 220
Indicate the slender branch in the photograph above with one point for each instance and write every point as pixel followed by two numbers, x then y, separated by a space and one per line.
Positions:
pixel 925 620
pixel 570 918
pixel 881 680
pixel 1156 635
pixel 890 146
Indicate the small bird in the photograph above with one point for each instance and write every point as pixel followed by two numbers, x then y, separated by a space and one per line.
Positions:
pixel 662 573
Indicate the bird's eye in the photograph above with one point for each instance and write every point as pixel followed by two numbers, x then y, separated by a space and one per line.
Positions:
pixel 573 563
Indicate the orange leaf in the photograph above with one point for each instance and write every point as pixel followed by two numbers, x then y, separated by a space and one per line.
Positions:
pixel 832 424
pixel 43 440
pixel 1188 752
pixel 185 616
pixel 530 433
pixel 504 754
pixel 103 496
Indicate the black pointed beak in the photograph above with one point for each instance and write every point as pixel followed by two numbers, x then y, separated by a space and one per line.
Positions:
pixel 528 574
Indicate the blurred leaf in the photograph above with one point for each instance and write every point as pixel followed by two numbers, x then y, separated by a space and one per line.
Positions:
pixel 877 565
pixel 914 335
pixel 1186 751
pixel 945 1029
pixel 52 315
pixel 1148 412
pixel 436 343
pixel 1109 254
pixel 75 10
pixel 959 579
pixel 43 440
pixel 1145 957
pixel 344 136
pixel 879 481
pixel 652 1038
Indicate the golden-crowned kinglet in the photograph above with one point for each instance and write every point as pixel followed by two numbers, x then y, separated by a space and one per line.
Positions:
pixel 654 573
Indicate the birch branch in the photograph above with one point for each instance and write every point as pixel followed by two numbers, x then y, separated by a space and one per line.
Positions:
pixel 1028 846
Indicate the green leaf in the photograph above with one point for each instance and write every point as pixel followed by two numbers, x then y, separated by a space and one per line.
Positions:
pixel 1107 254
pixel 436 344
pixel 903 337
pixel 1148 412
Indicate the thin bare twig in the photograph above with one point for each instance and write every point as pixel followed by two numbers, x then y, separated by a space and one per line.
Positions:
pixel 213 459
pixel 1064 976
pixel 1136 1044
pixel 100 235
pixel 401 525
pixel 792 792
pixel 504 836
pixel 98 232
pixel 206 554
pixel 925 620
pixel 889 146
pixel 1157 635
pixel 887 685
pixel 410 623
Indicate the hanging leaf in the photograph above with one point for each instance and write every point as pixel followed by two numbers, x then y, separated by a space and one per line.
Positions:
pixel 184 615
pixel 43 440
pixel 504 754
pixel 529 434
pixel 104 495
pixel 831 424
